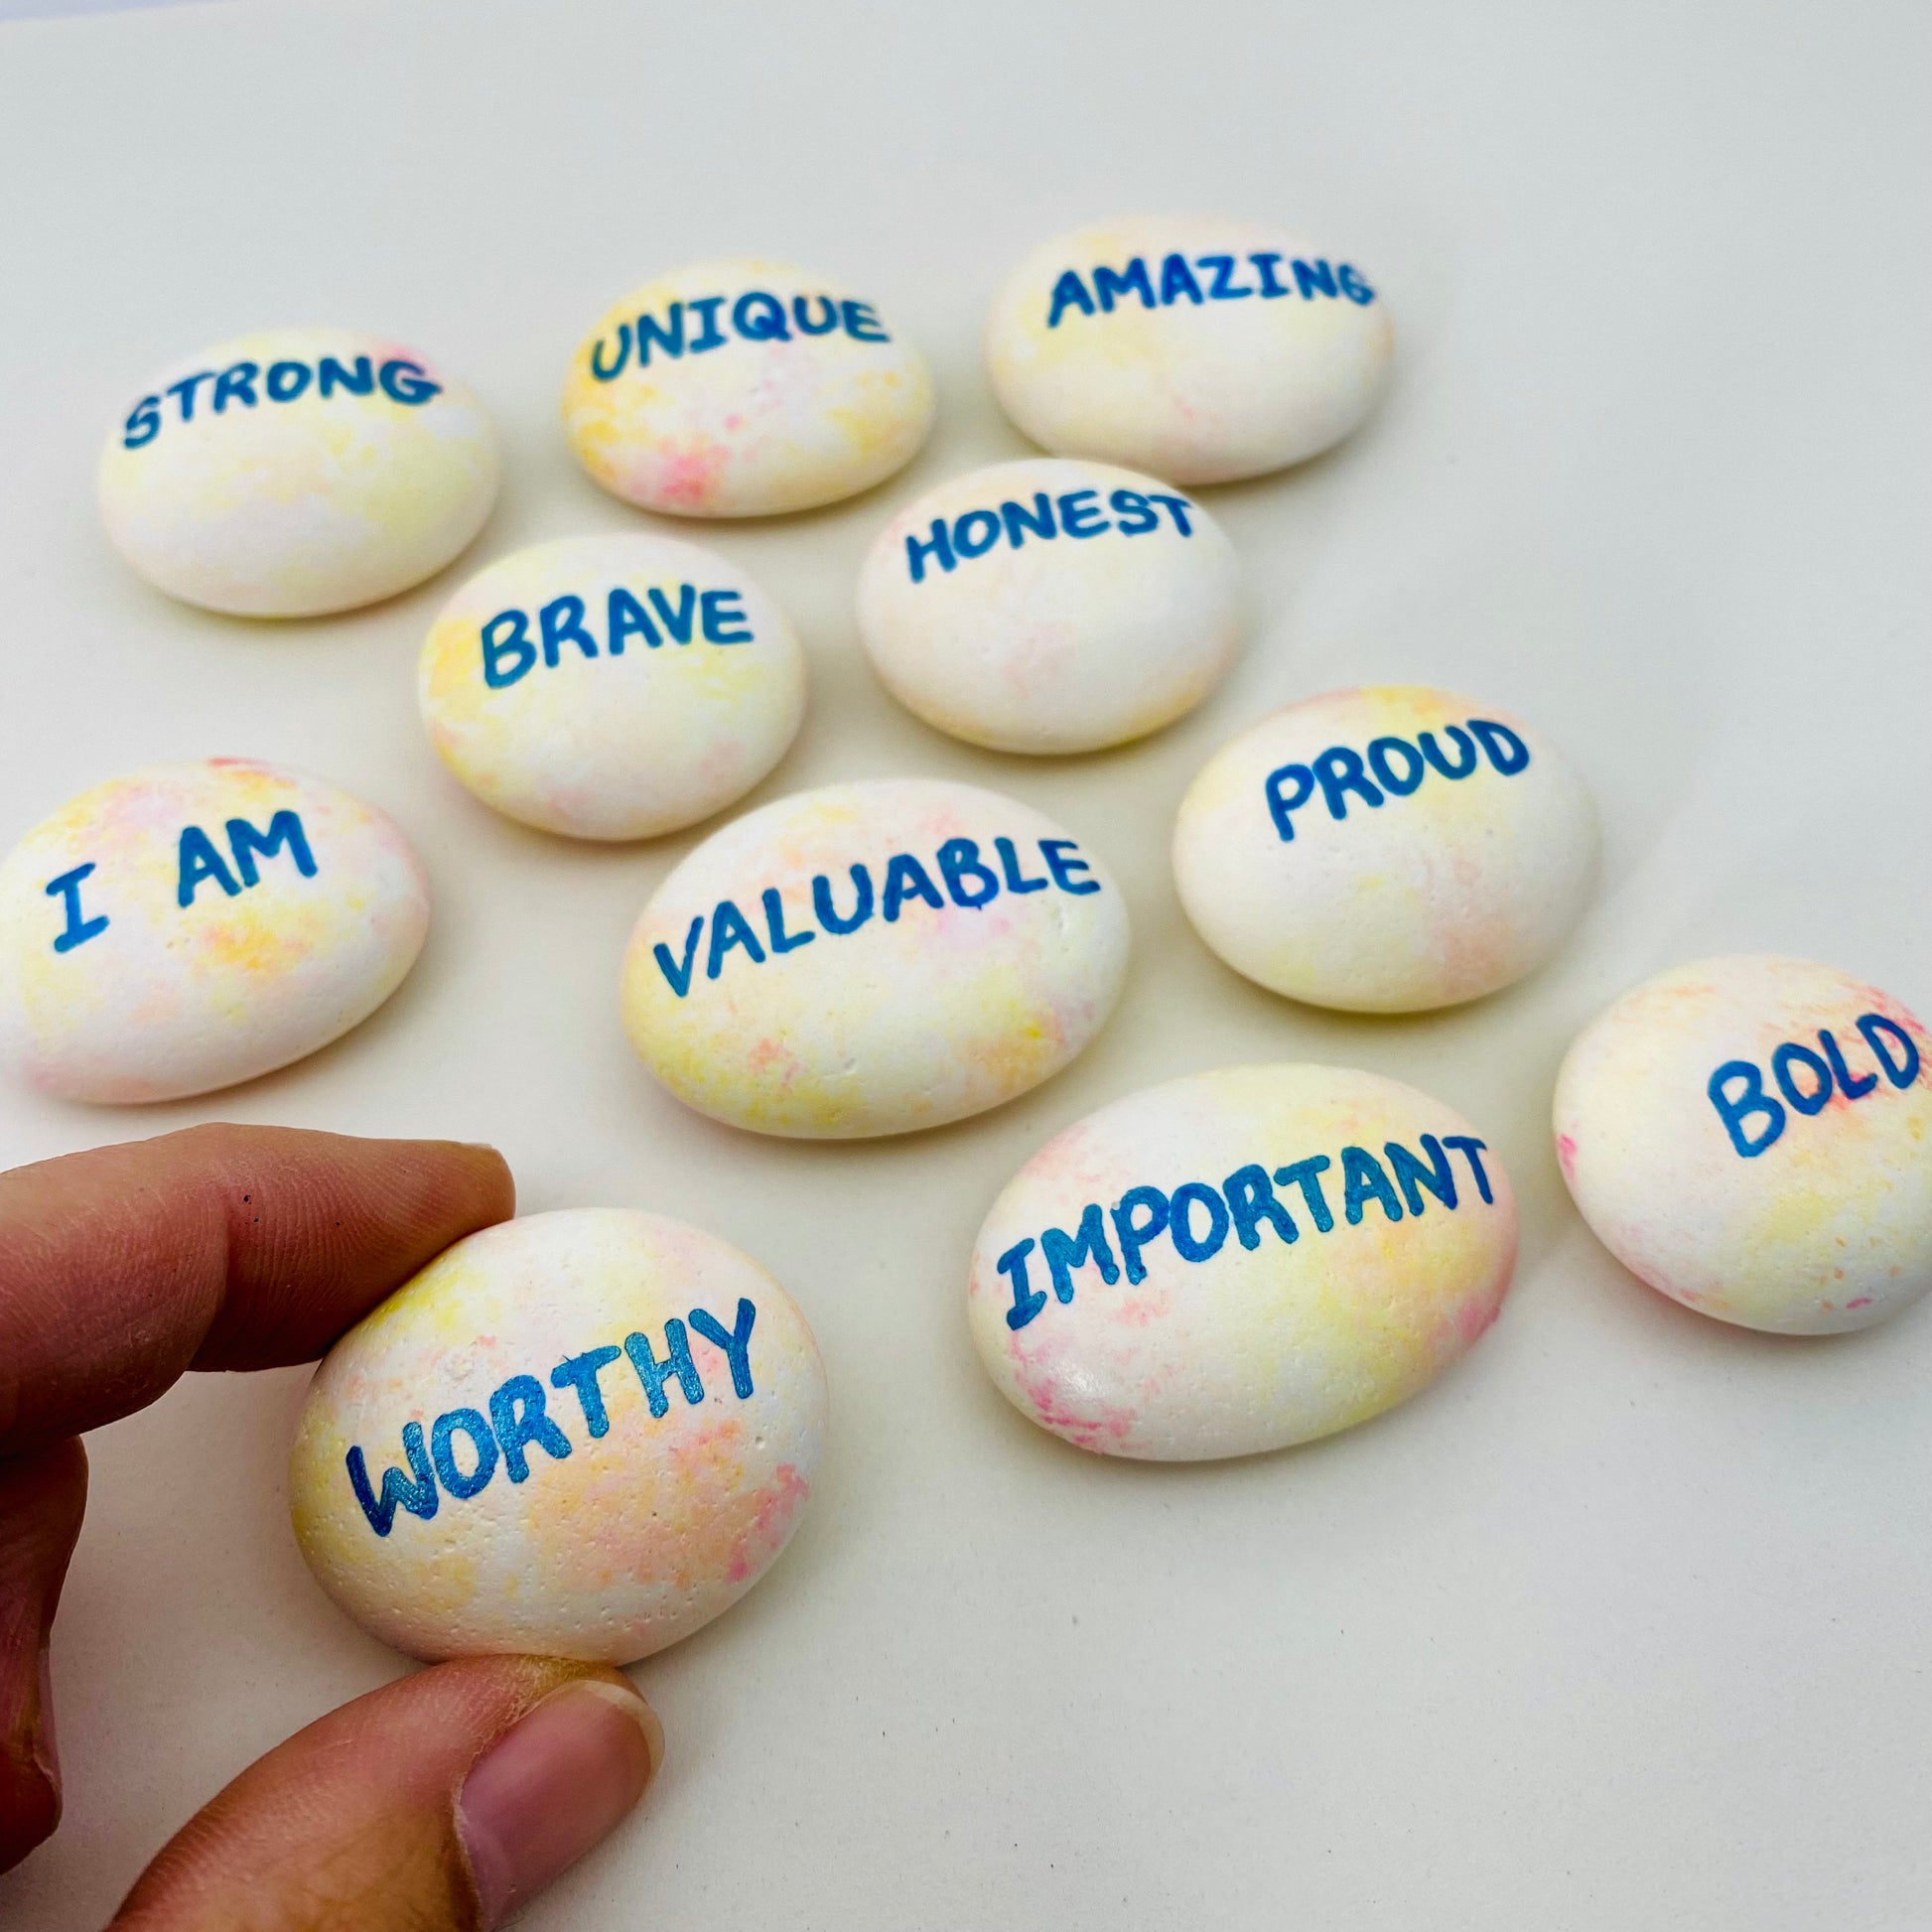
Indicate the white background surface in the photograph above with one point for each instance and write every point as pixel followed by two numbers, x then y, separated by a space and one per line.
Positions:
pixel 1624 1624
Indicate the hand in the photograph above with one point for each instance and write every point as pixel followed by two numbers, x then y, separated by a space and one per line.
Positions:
pixel 441 1801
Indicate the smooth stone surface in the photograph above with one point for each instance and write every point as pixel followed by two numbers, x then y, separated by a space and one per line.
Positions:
pixel 582 1433
pixel 610 687
pixel 1753 1137
pixel 1163 343
pixel 987 946
pixel 237 484
pixel 1329 854
pixel 1240 1259
pixel 757 387
pixel 191 926
pixel 1047 606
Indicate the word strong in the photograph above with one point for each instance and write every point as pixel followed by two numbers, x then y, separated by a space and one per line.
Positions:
pixel 465 1447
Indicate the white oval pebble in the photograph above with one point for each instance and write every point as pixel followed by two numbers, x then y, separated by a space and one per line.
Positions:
pixel 1047 606
pixel 744 388
pixel 579 1433
pixel 191 926
pixel 1199 350
pixel 875 957
pixel 610 687
pixel 1753 1137
pixel 1240 1259
pixel 298 472
pixel 1384 849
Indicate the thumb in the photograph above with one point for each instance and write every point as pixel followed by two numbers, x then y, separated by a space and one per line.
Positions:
pixel 437 1804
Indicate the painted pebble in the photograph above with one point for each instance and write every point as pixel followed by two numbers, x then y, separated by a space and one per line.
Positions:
pixel 610 687
pixel 1050 607
pixel 192 925
pixel 875 957
pixel 298 472
pixel 1754 1138
pixel 1201 351
pixel 580 1433
pixel 1240 1259
pixel 744 388
pixel 1384 849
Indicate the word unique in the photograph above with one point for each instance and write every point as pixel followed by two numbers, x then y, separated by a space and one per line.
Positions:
pixel 969 884
pixel 1399 767
pixel 197 860
pixel 405 382
pixel 507 652
pixel 1178 282
pixel 520 1419
pixel 1737 1090
pixel 1198 1216
pixel 975 532
pixel 757 316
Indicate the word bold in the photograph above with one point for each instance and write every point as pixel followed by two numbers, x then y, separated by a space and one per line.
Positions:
pixel 1807 1080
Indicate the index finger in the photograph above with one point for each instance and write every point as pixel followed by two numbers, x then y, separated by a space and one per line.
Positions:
pixel 216 1248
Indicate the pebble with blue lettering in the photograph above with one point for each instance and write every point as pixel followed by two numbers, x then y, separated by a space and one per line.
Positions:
pixel 298 472
pixel 1384 849
pixel 1197 349
pixel 1753 1137
pixel 1050 606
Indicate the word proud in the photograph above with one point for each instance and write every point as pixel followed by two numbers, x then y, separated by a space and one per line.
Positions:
pixel 1225 280
pixel 520 1419
pixel 197 862
pixel 1399 767
pixel 401 382
pixel 1196 1217
pixel 1807 1081
pixel 975 532
pixel 508 653
pixel 757 316
pixel 970 884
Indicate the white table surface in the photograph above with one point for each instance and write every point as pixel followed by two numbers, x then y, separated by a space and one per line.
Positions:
pixel 1627 1622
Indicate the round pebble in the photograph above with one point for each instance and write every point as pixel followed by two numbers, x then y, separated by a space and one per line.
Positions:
pixel 610 687
pixel 744 388
pixel 1197 349
pixel 1754 1138
pixel 1240 1259
pixel 298 472
pixel 192 925
pixel 875 957
pixel 1050 607
pixel 1384 849
pixel 580 1433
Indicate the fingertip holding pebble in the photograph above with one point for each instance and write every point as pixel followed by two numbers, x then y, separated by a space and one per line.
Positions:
pixel 581 1434
pixel 1050 607
pixel 298 472
pixel 871 958
pixel 1753 1137
pixel 192 925
pixel 744 388
pixel 1195 349
pixel 1389 849
pixel 610 687
pixel 1241 1260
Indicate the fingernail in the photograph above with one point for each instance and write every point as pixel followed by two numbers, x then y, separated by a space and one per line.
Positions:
pixel 551 1787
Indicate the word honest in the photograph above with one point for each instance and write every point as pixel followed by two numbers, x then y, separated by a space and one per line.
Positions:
pixel 976 532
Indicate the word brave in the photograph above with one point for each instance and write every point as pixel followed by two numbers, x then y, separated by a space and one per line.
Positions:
pixel 1243 1201
pixel 507 652
pixel 519 1418
pixel 401 382
pixel 969 884
pixel 1737 1092
pixel 1339 771
pixel 756 316
pixel 976 531
pixel 1178 282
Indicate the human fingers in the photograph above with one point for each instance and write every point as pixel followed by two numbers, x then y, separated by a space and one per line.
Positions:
pixel 440 1802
